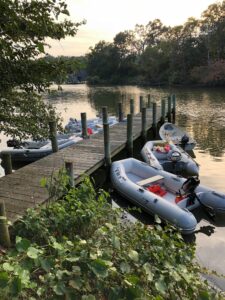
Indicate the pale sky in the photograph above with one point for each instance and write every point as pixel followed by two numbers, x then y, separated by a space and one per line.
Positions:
pixel 106 18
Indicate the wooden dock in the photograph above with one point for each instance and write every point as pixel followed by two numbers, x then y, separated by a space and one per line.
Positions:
pixel 22 190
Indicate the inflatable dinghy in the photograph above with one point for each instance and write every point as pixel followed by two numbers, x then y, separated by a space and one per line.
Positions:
pixel 30 151
pixel 93 125
pixel 169 157
pixel 170 132
pixel 169 196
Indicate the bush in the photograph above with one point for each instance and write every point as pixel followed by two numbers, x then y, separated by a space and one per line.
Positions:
pixel 79 248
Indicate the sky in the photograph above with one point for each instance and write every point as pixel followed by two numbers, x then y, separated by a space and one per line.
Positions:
pixel 106 18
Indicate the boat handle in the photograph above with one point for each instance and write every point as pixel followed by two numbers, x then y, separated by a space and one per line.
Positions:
pixel 141 190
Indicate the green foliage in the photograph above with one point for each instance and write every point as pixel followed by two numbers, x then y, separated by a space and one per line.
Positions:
pixel 57 184
pixel 24 27
pixel 65 66
pixel 161 54
pixel 212 75
pixel 79 248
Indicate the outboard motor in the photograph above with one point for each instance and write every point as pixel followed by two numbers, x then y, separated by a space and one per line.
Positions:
pixel 190 185
pixel 184 140
pixel 13 143
pixel 188 188
pixel 174 156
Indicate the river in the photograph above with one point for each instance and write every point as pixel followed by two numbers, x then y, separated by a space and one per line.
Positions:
pixel 201 112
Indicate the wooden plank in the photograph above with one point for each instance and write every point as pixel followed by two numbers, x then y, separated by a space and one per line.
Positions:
pixel 150 180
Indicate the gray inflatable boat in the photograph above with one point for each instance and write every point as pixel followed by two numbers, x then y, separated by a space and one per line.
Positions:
pixel 169 157
pixel 170 132
pixel 167 195
pixel 30 151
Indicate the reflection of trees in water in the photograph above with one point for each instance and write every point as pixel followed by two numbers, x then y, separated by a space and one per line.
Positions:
pixel 200 111
pixel 111 95
pixel 208 137
pixel 105 97
pixel 203 114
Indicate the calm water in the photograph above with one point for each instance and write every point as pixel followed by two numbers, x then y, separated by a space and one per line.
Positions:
pixel 201 112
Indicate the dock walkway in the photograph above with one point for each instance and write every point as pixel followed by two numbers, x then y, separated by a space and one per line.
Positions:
pixel 22 190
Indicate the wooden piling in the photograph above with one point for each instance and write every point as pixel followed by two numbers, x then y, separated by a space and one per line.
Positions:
pixel 174 108
pixel 132 106
pixel 107 151
pixel 144 124
pixel 130 146
pixel 154 119
pixel 53 136
pixel 149 101
pixel 7 162
pixel 120 111
pixel 84 125
pixel 169 109
pixel 104 114
pixel 163 110
pixel 4 231
pixel 141 103
pixel 70 173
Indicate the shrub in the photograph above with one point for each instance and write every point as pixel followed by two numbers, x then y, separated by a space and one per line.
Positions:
pixel 79 248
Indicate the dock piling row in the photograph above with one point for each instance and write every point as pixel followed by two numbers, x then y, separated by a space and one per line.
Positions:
pixel 133 131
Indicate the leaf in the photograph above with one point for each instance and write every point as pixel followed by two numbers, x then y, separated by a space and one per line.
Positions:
pixel 57 246
pixel 32 252
pixel 7 267
pixel 3 279
pixel 22 244
pixel 114 293
pixel 132 279
pixel 99 267
pixel 65 12
pixel 133 293
pixel 47 264
pixel 40 291
pixel 116 242
pixel 59 289
pixel 147 268
pixel 24 276
pixel 73 259
pixel 16 286
pixel 88 297
pixel 82 242
pixel 76 270
pixel 133 255
pixel 204 295
pixel 157 219
pixel 160 285
pixel 41 47
pixel 125 267
pixel 75 283
pixel 43 182
pixel 109 225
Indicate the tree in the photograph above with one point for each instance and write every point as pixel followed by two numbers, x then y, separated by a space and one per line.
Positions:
pixel 213 31
pixel 24 27
pixel 103 62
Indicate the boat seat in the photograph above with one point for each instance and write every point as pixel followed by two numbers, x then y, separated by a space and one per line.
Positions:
pixel 150 180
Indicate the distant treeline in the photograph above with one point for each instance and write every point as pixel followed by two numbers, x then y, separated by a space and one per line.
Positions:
pixel 154 54
pixel 67 69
